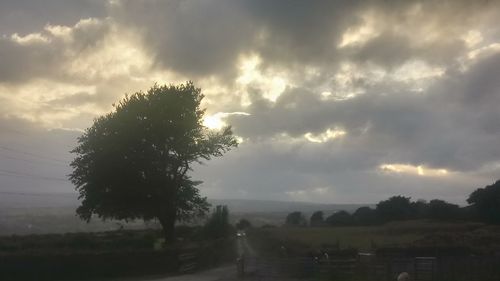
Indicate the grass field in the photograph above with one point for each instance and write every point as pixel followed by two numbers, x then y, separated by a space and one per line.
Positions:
pixel 395 234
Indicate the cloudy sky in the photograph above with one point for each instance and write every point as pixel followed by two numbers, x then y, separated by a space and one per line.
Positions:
pixel 333 101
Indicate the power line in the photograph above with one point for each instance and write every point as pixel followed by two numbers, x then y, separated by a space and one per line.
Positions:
pixel 31 176
pixel 36 194
pixel 33 134
pixel 15 131
pixel 30 161
pixel 33 154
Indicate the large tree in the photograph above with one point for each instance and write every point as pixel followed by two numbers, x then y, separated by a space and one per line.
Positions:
pixel 133 162
pixel 295 219
pixel 486 202
pixel 317 219
pixel 395 208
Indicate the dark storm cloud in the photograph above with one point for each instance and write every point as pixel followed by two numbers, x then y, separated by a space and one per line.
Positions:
pixel 468 105
pixel 45 54
pixel 19 63
pixel 441 121
pixel 312 172
pixel 391 50
pixel 28 16
pixel 195 38
pixel 299 32
pixel 454 124
pixel 32 159
pixel 205 38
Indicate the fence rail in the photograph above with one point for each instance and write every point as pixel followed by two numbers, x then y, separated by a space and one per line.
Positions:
pixel 376 269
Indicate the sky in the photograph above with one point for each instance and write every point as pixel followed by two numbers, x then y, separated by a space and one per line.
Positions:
pixel 332 101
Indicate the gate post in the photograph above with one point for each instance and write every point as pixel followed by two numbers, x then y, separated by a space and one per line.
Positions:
pixel 240 266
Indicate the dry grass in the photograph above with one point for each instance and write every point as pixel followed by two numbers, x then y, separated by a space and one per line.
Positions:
pixel 363 237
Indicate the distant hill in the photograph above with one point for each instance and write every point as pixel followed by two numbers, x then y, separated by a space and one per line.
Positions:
pixel 68 200
pixel 265 206
pixel 22 213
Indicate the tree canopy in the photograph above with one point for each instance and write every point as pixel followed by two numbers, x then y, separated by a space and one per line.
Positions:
pixel 243 224
pixel 218 225
pixel 340 218
pixel 316 219
pixel 134 161
pixel 295 219
pixel 395 208
pixel 486 202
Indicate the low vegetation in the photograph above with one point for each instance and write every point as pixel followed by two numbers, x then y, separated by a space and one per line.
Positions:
pixel 479 237
pixel 484 207
pixel 79 256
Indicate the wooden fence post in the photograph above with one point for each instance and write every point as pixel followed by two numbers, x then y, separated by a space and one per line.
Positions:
pixel 240 266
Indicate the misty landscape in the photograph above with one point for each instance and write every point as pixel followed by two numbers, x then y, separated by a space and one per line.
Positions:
pixel 55 213
pixel 204 140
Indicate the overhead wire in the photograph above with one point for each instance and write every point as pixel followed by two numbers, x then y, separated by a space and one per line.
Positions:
pixel 37 194
pixel 30 161
pixel 27 175
pixel 32 154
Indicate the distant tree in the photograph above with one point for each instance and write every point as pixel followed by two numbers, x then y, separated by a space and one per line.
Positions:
pixel 316 219
pixel 295 219
pixel 218 225
pixel 243 224
pixel 486 201
pixel 420 209
pixel 268 226
pixel 134 161
pixel 340 218
pixel 395 208
pixel 365 216
pixel 442 210
pixel 468 213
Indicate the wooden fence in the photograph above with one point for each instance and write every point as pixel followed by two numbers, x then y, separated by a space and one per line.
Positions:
pixel 376 269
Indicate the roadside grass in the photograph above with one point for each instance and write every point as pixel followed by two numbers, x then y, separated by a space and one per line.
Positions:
pixel 345 237
pixel 127 253
pixel 364 238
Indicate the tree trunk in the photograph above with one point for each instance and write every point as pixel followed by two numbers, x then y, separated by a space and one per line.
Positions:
pixel 167 222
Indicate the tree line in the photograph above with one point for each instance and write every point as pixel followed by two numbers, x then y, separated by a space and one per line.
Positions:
pixel 484 205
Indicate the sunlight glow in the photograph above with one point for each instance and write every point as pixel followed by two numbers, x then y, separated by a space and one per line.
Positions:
pixel 30 101
pixel 32 38
pixel 416 70
pixel 472 38
pixel 270 83
pixel 326 136
pixel 216 122
pixel 213 122
pixel 119 56
pixel 308 194
pixel 358 35
pixel 490 49
pixel 419 170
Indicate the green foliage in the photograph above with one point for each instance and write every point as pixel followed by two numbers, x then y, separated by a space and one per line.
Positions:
pixel 115 241
pixel 243 224
pixel 420 209
pixel 295 219
pixel 104 254
pixel 365 216
pixel 395 208
pixel 393 234
pixel 442 210
pixel 133 162
pixel 486 201
pixel 340 218
pixel 316 219
pixel 218 225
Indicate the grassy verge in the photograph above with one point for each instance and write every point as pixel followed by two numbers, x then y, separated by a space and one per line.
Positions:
pixel 83 256
pixel 396 234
